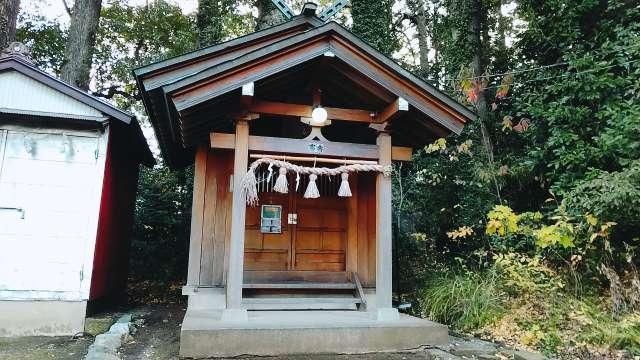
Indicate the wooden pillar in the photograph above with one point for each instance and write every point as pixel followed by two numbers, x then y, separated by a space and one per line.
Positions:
pixel 234 310
pixel 384 309
pixel 197 213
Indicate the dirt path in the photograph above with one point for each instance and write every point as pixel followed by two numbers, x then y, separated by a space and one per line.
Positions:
pixel 157 335
pixel 42 347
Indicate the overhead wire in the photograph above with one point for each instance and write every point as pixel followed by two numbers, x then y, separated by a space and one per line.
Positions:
pixel 533 68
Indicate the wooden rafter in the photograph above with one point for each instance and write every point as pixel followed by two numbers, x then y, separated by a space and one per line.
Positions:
pixel 288 109
pixel 300 146
pixel 391 111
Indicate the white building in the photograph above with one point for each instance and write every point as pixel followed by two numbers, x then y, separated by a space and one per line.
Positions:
pixel 68 176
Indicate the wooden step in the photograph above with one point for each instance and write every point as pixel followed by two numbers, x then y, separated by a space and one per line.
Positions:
pixel 301 285
pixel 301 303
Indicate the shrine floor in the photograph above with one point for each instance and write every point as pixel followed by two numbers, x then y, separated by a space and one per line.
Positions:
pixel 204 334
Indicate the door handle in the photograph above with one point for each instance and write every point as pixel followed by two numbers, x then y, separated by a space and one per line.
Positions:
pixel 18 209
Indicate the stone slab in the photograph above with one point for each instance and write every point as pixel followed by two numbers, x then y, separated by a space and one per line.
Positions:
pixel 41 318
pixel 269 333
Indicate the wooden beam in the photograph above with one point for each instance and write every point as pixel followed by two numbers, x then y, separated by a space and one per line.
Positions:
pixel 401 153
pixel 310 159
pixel 287 109
pixel 300 146
pixel 391 111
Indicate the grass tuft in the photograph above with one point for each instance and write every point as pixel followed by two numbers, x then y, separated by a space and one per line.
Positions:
pixel 463 301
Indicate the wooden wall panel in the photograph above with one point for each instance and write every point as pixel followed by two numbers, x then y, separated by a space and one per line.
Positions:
pixel 363 243
pixel 208 232
pixel 222 226
pixel 371 229
pixel 216 207
pixel 197 215
pixel 366 215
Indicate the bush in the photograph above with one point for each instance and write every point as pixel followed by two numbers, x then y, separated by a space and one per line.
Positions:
pixel 465 301
pixel 521 274
pixel 610 196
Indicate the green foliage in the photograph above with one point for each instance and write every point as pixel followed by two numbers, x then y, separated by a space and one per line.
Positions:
pixel 131 36
pixel 161 228
pixel 610 196
pixel 211 15
pixel 464 301
pixel 586 111
pixel 45 40
pixel 372 21
pixel 522 274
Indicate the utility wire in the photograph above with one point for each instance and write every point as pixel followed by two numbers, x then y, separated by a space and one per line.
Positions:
pixel 533 68
pixel 566 74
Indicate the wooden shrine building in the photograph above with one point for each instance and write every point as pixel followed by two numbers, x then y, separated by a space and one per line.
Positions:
pixel 304 271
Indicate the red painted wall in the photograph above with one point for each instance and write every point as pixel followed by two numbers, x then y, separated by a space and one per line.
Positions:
pixel 111 257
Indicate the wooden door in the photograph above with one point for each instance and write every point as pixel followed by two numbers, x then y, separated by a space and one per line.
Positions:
pixel 320 236
pixel 267 252
pixel 317 242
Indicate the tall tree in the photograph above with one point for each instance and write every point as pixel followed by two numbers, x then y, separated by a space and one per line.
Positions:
pixel 81 39
pixel 8 16
pixel 419 16
pixel 211 20
pixel 268 15
pixel 372 21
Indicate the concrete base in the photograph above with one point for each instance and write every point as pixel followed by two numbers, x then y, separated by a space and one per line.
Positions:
pixel 205 334
pixel 387 314
pixel 41 318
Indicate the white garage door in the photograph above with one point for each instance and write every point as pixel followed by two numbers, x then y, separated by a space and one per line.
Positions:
pixel 47 184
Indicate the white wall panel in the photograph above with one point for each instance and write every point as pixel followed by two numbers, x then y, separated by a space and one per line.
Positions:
pixel 56 179
pixel 22 93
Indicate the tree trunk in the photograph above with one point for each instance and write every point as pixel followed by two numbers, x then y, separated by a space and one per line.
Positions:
pixel 420 18
pixel 8 16
pixel 81 40
pixel 477 32
pixel 268 15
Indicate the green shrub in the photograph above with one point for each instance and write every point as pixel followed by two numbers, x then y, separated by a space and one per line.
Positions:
pixel 522 274
pixel 610 196
pixel 465 301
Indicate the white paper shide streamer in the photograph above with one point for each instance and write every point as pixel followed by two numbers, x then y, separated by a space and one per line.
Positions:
pixel 345 190
pixel 249 182
pixel 282 186
pixel 312 189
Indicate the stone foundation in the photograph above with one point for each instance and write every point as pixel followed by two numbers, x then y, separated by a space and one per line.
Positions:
pixel 41 318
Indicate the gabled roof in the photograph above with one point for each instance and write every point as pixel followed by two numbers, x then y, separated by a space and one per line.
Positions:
pixel 179 93
pixel 100 110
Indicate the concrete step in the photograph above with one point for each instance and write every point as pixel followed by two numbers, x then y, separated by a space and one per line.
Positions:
pixel 301 303
pixel 301 285
pixel 275 333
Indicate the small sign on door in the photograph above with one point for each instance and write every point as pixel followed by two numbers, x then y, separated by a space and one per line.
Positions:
pixel 292 219
pixel 271 219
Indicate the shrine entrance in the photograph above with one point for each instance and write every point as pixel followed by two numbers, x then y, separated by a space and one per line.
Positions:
pixel 287 232
pixel 278 266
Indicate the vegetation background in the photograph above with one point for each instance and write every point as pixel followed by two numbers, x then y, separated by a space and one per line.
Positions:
pixel 524 229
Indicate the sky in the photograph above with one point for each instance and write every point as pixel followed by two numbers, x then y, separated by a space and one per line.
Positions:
pixel 54 9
